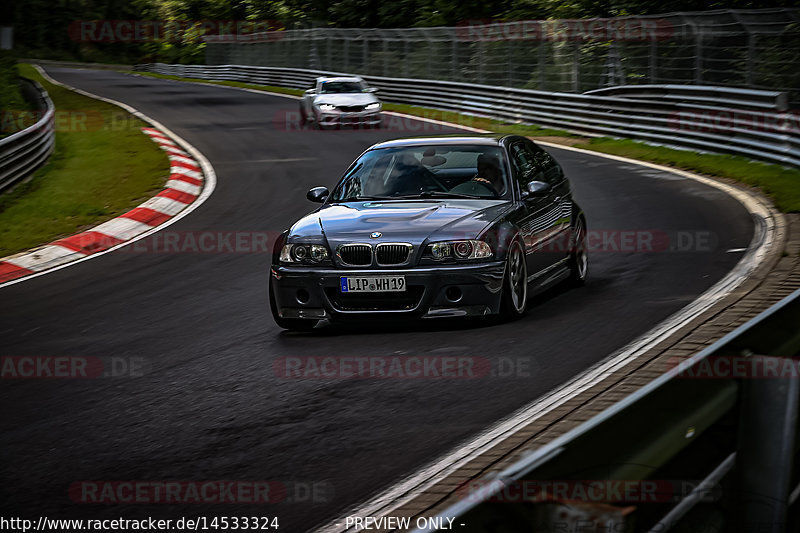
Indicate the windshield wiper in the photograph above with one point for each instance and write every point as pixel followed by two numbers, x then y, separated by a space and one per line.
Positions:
pixel 441 194
pixel 360 198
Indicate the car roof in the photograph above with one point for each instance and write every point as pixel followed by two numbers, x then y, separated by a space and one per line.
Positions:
pixel 482 140
pixel 339 78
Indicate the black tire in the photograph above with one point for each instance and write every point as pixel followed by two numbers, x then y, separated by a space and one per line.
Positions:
pixel 514 301
pixel 291 324
pixel 579 254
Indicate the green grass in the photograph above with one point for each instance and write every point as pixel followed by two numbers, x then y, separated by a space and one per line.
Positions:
pixel 472 121
pixel 102 166
pixel 781 184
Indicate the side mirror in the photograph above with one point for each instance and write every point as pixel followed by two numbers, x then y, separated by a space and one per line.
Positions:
pixel 371 90
pixel 538 188
pixel 311 91
pixel 318 194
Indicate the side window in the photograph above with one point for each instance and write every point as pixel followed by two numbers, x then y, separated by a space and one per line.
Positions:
pixel 549 169
pixel 527 164
pixel 521 163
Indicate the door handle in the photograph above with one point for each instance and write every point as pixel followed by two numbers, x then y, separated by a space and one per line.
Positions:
pixel 556 199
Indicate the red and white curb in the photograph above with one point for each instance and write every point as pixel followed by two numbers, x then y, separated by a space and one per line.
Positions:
pixel 185 184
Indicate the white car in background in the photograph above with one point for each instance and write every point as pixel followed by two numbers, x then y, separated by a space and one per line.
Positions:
pixel 340 101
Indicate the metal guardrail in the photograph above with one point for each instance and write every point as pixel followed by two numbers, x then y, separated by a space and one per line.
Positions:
pixel 735 98
pixel 716 437
pixel 23 152
pixel 746 122
pixel 727 419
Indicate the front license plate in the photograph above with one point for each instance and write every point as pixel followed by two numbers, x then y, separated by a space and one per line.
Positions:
pixel 373 284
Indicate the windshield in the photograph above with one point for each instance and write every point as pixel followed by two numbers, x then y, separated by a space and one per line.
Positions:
pixel 339 87
pixel 457 171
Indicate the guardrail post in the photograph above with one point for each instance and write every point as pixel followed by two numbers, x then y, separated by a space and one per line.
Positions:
pixel 481 60
pixel 698 52
pixel 454 61
pixel 576 67
pixel 653 60
pixel 406 58
pixel 385 58
pixel 766 440
pixel 328 52
pixel 751 58
pixel 540 50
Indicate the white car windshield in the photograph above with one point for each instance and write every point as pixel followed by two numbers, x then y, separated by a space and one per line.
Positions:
pixel 446 171
pixel 340 87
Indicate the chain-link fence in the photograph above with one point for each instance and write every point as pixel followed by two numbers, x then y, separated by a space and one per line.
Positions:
pixel 745 48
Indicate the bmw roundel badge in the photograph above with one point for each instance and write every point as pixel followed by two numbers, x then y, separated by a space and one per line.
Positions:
pixel 375 235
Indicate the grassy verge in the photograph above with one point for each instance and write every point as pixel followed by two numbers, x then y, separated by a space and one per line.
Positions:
pixel 102 166
pixel 781 184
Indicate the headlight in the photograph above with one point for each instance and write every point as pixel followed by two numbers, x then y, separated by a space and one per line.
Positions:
pixel 327 107
pixel 303 253
pixel 373 105
pixel 460 250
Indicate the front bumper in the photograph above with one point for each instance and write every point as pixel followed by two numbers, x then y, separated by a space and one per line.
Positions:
pixel 432 292
pixel 340 118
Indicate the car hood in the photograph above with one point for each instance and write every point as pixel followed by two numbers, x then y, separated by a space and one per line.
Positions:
pixel 346 99
pixel 398 221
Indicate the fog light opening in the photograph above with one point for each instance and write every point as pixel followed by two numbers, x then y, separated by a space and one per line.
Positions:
pixel 302 296
pixel 453 294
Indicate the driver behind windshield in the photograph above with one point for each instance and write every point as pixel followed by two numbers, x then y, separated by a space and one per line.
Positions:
pixel 341 87
pixel 489 172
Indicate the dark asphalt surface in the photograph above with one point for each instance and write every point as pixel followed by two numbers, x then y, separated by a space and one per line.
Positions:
pixel 210 405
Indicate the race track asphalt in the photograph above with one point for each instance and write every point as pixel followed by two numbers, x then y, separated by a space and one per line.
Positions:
pixel 210 404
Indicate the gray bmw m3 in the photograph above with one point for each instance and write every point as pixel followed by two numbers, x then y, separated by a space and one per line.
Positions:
pixel 428 228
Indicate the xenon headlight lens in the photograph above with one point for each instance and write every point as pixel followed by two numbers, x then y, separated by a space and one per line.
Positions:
pixel 327 107
pixel 318 253
pixel 299 253
pixel 463 249
pixel 303 253
pixel 460 250
pixel 440 250
pixel 373 105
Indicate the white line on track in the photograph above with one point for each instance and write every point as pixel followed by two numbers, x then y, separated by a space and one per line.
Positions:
pixel 406 490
